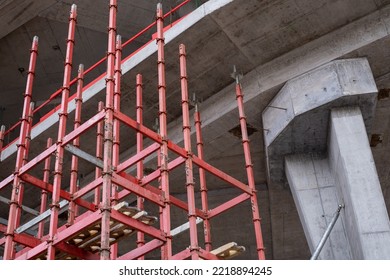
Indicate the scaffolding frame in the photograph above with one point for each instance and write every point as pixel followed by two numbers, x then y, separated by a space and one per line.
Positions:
pixel 112 184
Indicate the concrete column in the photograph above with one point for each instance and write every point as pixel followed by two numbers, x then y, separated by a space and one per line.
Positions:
pixel 318 144
pixel 352 165
pixel 315 195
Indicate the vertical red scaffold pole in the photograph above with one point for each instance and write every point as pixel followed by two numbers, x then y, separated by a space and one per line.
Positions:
pixel 194 246
pixel 14 205
pixel 46 176
pixel 108 135
pixel 140 146
pixel 166 215
pixel 116 129
pixel 249 168
pixel 202 179
pixel 25 160
pixel 99 153
pixel 76 142
pixel 61 133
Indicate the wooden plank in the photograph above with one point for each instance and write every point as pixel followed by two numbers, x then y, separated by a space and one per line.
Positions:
pixel 228 251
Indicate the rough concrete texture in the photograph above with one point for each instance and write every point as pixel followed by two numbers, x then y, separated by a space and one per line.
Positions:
pixel 348 175
pixel 315 196
pixel 296 119
pixel 352 163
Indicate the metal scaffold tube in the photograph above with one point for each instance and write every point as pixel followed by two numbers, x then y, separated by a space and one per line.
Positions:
pixel 21 152
pixel 326 233
pixel 116 129
pixel 46 176
pixel 140 146
pixel 25 160
pixel 99 153
pixel 72 210
pixel 58 166
pixel 249 167
pixel 194 246
pixel 108 135
pixel 166 211
pixel 202 179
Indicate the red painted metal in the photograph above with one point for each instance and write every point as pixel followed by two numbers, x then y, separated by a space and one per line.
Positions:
pixel 156 174
pixel 166 211
pixel 134 188
pixel 207 255
pixel 99 155
pixel 249 170
pixel 140 146
pixel 135 224
pixel 26 240
pixel 183 255
pixel 21 151
pixel 76 142
pixel 61 133
pixel 175 201
pixel 202 180
pixel 46 176
pixel 95 184
pixel 116 128
pixel 228 205
pixel 106 181
pixel 108 135
pixel 190 184
pixel 38 159
pixel 140 252
pixel 138 157
pixel 25 159
pixel 83 128
pixel 76 252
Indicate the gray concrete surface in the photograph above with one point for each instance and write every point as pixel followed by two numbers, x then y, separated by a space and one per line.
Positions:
pixel 351 161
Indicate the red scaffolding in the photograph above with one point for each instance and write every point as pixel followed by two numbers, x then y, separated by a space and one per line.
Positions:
pixel 104 220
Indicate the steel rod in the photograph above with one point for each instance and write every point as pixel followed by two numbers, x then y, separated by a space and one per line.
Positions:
pixel 58 166
pixel 140 164
pixel 190 184
pixel 12 217
pixel 326 233
pixel 108 135
pixel 166 215
pixel 249 169
pixel 76 143
pixel 202 179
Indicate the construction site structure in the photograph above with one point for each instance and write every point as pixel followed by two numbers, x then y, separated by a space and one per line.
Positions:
pixel 96 224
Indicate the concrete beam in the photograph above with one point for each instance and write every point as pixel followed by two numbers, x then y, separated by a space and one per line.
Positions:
pixel 302 127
